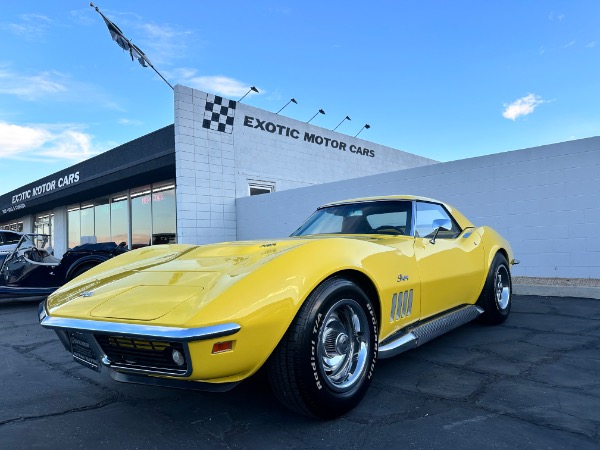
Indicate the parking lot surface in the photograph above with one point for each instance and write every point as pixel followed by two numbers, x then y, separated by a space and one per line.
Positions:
pixel 533 382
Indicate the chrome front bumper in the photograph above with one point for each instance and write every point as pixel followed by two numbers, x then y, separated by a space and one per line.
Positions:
pixel 69 329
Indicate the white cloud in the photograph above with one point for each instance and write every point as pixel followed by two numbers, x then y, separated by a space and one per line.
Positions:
pixel 31 26
pixel 31 87
pixel 214 84
pixel 591 44
pixel 55 86
pixel 15 139
pixel 570 44
pixel 553 16
pixel 130 122
pixel 46 142
pixel 163 43
pixel 522 106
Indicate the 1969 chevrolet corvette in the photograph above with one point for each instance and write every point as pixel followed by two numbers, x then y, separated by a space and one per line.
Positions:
pixel 360 280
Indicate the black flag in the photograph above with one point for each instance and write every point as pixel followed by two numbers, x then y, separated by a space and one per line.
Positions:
pixel 118 36
pixel 134 51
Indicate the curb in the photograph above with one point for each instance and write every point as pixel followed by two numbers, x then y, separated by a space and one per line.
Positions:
pixel 557 291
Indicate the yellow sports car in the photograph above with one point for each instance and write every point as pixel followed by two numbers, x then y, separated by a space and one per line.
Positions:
pixel 359 280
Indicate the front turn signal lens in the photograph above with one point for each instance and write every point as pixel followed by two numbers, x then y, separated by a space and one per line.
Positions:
pixel 221 347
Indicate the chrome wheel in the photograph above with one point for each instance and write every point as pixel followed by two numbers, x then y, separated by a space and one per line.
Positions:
pixel 502 287
pixel 343 345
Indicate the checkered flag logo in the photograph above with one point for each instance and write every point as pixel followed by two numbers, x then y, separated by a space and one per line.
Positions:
pixel 219 114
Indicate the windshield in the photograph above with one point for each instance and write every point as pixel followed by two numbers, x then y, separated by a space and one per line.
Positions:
pixel 379 217
pixel 35 249
pixel 39 241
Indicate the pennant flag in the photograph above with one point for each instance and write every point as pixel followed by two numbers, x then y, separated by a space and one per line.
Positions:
pixel 118 36
pixel 134 51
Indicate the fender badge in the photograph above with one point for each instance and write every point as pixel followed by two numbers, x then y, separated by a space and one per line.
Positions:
pixel 86 294
pixel 402 278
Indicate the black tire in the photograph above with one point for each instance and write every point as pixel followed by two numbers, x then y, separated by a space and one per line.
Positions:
pixel 81 269
pixel 324 364
pixel 496 296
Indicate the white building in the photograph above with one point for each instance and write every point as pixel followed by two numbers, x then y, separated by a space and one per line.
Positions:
pixel 180 183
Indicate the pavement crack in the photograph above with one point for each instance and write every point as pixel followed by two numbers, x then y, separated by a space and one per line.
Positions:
pixel 93 407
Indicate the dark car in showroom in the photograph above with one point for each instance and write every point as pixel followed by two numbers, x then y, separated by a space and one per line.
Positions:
pixel 30 269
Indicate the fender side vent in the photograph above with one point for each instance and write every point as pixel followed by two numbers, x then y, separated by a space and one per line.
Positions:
pixel 401 305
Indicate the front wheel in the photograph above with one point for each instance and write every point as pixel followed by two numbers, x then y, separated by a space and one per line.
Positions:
pixel 496 297
pixel 324 364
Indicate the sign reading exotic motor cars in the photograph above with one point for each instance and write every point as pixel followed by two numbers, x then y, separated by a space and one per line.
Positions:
pixel 44 188
pixel 313 138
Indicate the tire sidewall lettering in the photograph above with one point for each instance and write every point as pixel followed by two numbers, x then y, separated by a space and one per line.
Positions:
pixel 314 367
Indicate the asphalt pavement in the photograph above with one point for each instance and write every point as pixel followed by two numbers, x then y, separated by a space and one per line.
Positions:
pixel 533 382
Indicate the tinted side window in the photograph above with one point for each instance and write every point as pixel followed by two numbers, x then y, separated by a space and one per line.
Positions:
pixel 11 238
pixel 428 215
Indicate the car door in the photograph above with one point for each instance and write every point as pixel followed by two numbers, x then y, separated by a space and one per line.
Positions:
pixel 450 261
pixel 400 295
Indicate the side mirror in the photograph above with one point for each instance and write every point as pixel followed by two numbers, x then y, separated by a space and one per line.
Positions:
pixel 440 225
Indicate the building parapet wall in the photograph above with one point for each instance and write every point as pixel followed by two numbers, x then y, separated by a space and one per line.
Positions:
pixel 544 200
pixel 223 146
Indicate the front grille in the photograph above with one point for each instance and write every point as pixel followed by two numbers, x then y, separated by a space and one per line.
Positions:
pixel 142 355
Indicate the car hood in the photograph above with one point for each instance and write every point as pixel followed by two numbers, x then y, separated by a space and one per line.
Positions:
pixel 149 285
pixel 176 281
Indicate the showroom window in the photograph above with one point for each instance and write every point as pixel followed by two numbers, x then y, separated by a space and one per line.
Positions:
pixel 44 224
pixel 13 226
pixel 74 226
pixel 139 217
pixel 119 218
pixel 164 222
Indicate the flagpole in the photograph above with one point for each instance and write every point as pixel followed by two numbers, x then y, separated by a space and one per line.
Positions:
pixel 131 45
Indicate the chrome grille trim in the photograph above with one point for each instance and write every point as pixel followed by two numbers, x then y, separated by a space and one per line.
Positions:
pixel 133 354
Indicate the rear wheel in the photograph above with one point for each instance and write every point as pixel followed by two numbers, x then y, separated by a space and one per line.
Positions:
pixel 81 269
pixel 496 297
pixel 324 364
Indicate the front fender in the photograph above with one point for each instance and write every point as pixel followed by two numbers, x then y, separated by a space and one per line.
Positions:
pixel 265 300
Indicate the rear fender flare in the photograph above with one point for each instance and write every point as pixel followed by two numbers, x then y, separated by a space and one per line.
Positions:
pixel 86 260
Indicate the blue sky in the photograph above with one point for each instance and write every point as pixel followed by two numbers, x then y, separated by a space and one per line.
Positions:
pixel 442 79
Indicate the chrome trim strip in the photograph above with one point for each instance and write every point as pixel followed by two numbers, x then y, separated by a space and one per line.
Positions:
pixel 423 332
pixel 393 307
pixel 410 300
pixel 515 261
pixel 400 345
pixel 405 305
pixel 399 305
pixel 137 330
pixel 413 219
